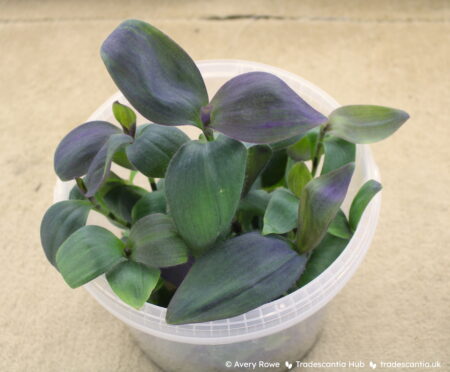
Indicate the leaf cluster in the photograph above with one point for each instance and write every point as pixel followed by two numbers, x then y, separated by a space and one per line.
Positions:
pixel 247 213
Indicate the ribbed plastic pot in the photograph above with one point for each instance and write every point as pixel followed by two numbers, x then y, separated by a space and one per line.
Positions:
pixel 280 331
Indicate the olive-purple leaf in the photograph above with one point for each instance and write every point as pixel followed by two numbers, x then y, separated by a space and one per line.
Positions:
pixel 87 253
pixel 338 152
pixel 365 123
pixel 154 147
pixel 158 78
pixel 77 149
pixel 235 276
pixel 257 158
pixel 156 242
pixel 133 282
pixel 59 222
pixel 319 203
pixel 361 201
pixel 101 164
pixel 322 257
pixel 259 107
pixel 203 187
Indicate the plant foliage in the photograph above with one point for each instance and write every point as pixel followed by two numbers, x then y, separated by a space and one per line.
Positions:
pixel 243 215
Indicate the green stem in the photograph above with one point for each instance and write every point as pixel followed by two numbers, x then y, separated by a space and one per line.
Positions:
pixel 97 207
pixel 208 134
pixel 152 182
pixel 108 213
pixel 315 164
pixel 113 217
pixel 133 174
pixel 316 158
pixel 81 185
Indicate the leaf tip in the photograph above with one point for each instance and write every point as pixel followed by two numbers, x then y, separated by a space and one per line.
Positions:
pixel 346 170
pixel 377 186
pixel 173 317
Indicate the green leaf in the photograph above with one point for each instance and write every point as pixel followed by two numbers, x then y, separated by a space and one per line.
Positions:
pixel 319 204
pixel 234 277
pixel 76 194
pixel 122 198
pixel 298 177
pixel 156 243
pixel 133 282
pixel 281 145
pixel 289 164
pixel 99 169
pixel 152 202
pixel 160 184
pixel 339 226
pixel 87 253
pixel 304 149
pixel 338 152
pixel 59 222
pixel 255 202
pixel 121 158
pixel 365 123
pixel 322 257
pixel 111 181
pixel 158 78
pixel 274 171
pixel 361 200
pixel 162 294
pixel 203 186
pixel 251 210
pixel 124 115
pixel 281 213
pixel 154 147
pixel 257 158
pixel 300 151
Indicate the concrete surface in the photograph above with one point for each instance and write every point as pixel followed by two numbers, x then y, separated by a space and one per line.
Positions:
pixel 393 53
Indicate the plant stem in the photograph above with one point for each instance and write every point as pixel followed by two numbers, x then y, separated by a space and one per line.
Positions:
pixel 315 164
pixel 113 217
pixel 108 213
pixel 318 149
pixel 152 182
pixel 205 120
pixel 132 176
pixel 97 207
pixel 81 185
pixel 208 134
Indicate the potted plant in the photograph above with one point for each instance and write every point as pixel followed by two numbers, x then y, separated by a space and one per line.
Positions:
pixel 245 216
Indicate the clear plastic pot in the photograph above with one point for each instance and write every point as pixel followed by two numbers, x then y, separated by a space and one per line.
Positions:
pixel 280 331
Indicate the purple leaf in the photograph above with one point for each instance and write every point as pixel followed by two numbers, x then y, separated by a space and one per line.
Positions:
pixel 77 149
pixel 235 276
pixel 176 274
pixel 259 107
pixel 101 164
pixel 319 203
pixel 59 222
pixel 154 147
pixel 157 77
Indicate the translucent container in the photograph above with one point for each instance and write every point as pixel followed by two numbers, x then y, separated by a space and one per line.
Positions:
pixel 280 331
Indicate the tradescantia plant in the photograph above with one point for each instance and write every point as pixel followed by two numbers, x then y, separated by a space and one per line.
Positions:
pixel 247 213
